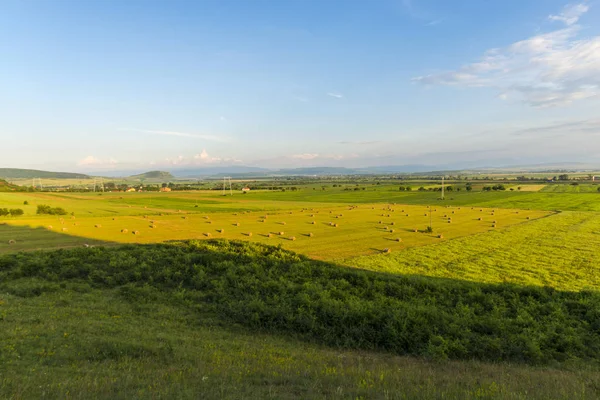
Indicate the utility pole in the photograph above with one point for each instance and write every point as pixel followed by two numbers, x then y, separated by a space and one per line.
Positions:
pixel 442 187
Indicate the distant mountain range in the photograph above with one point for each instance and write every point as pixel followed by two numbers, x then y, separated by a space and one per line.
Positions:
pixel 256 172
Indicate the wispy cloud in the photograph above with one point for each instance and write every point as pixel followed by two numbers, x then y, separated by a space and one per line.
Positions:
pixel 180 134
pixel 549 69
pixel 570 14
pixel 336 95
pixel 434 22
pixel 360 143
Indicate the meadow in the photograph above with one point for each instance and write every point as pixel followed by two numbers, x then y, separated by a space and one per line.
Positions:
pixel 238 314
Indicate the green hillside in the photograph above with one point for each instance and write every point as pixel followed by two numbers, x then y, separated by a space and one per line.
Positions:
pixel 154 175
pixel 7 187
pixel 18 173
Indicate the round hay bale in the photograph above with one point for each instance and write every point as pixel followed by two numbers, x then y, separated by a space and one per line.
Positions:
pixel 387 250
pixel 479 219
pixel 391 231
pixel 494 225
pixel 335 225
pixel 207 234
pixel 407 215
pixel 49 226
pixel 393 223
pixel 528 217
pixel 114 219
pixel 237 224
pixel 221 230
pixel 449 221
pixel 380 222
pixel 452 212
pixel 310 234
pixel 64 229
pixel 97 226
pixel 494 221
pixel 12 241
pixel 124 231
pixel 398 240
pixel 313 222
pixel 269 235
pixel 152 226
pixel 249 234
pixel 206 217
pixel 425 214
pixel 281 233
pixel 136 232
pixel 151 221
pixel 385 227
pixel 415 230
pixel 293 238
pixel 145 216
pixel 440 236
pixel 283 223
pixel 184 217
pixel 209 222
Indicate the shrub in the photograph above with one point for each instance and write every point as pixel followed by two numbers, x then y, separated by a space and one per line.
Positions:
pixel 15 212
pixel 46 209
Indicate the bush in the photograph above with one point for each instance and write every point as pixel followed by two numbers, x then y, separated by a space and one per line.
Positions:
pixel 268 289
pixel 45 209
pixel 25 203
pixel 16 212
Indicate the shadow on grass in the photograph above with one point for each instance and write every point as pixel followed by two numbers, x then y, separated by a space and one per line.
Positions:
pixel 14 238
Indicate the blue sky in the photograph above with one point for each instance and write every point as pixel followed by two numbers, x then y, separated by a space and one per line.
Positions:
pixel 109 85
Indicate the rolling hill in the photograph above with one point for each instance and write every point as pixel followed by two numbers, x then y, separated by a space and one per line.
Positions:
pixel 18 173
pixel 163 175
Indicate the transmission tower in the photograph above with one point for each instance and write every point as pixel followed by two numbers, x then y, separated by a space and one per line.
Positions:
pixel 442 188
pixel 37 182
pixel 99 182
pixel 227 179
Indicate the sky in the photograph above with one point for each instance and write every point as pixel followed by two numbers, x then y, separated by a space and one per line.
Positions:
pixel 145 84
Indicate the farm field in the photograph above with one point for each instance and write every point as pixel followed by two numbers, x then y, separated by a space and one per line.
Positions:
pixel 322 231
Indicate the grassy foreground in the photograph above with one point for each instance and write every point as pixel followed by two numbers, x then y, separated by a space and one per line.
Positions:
pixel 83 343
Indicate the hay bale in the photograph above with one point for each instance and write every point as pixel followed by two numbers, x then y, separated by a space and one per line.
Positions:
pixel 387 250
pixel 415 230
pixel 335 225
pixel 449 221
pixel 380 222
pixel 64 229
pixel 209 222
pixel 269 235
pixel 124 231
pixel 152 226
pixel 206 217
pixel 407 215
pixel 221 230
pixel 281 233
pixel 385 227
pixel 184 217
pixel 207 234
pixel 440 236
pixel 425 214
pixel 293 238
pixel 313 222
pixel 528 217
pixel 249 234
pixel 391 231
pixel 145 216
pixel 310 234
pixel 393 223
pixel 398 240
pixel 283 223
pixel 237 224
pixel 479 219
pixel 97 226
pixel 136 232
pixel 151 221
pixel 12 241
pixel 49 226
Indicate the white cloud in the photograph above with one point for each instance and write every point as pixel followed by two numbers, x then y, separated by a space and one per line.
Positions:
pixel 175 161
pixel 180 134
pixel 96 162
pixel 204 158
pixel 336 95
pixel 571 13
pixel 549 69
pixel 306 156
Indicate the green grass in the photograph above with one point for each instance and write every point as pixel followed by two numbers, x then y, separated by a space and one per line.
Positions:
pixel 70 327
pixel 567 188
pixel 78 342
pixel 560 251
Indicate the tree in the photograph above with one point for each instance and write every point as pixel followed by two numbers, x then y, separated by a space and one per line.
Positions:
pixel 164 185
pixel 563 177
pixel 15 212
